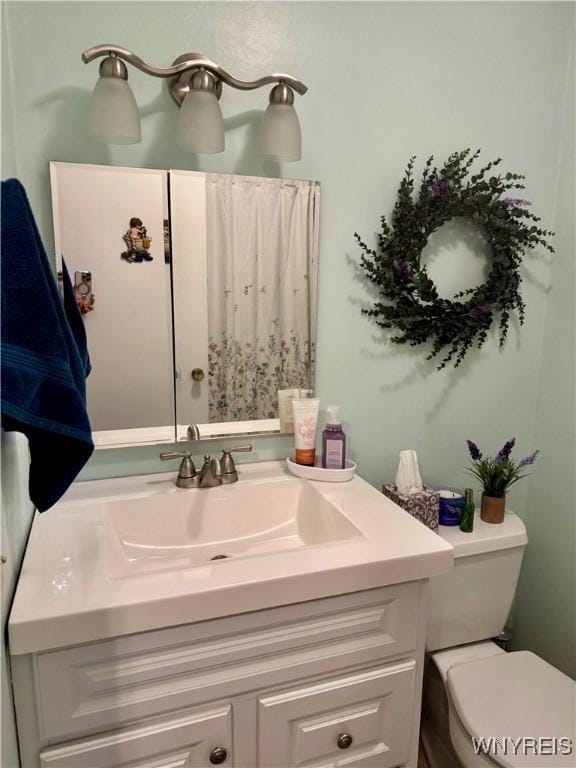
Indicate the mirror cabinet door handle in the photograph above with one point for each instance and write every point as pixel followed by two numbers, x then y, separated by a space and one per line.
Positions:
pixel 344 741
pixel 218 755
pixel 197 374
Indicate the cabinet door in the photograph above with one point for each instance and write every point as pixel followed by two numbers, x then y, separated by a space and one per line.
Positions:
pixel 363 719
pixel 129 331
pixel 185 742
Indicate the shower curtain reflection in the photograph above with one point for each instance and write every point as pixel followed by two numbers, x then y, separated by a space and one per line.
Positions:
pixel 262 246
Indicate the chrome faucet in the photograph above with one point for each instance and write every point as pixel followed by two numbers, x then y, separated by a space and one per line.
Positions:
pixel 214 471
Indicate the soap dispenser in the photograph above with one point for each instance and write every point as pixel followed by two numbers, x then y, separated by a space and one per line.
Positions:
pixel 333 440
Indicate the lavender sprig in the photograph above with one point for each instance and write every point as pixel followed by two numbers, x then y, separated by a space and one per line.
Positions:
pixel 528 460
pixel 505 451
pixel 474 451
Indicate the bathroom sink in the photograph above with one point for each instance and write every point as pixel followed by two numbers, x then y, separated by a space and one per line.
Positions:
pixel 193 527
pixel 135 554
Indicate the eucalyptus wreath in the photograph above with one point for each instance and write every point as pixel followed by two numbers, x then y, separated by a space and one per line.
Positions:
pixel 408 300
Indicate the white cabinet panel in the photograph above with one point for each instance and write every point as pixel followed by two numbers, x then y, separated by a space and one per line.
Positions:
pixel 185 742
pixel 303 726
pixel 100 686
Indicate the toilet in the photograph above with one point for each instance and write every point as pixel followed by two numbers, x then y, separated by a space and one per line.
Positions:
pixel 523 708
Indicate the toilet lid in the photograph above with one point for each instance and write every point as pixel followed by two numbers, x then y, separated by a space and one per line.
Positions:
pixel 517 695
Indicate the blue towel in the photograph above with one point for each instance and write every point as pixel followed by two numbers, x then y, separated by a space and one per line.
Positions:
pixel 44 364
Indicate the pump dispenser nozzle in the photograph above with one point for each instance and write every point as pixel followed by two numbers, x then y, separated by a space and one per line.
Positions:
pixel 333 415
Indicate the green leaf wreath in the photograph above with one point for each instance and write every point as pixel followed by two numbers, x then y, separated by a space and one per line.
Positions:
pixel 409 301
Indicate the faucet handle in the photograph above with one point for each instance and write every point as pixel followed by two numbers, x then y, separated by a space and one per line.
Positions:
pixel 238 449
pixel 229 473
pixel 187 469
pixel 175 455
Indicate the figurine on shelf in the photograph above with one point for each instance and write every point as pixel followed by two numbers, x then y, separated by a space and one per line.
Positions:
pixel 137 242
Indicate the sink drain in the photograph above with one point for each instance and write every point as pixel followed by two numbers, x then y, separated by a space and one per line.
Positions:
pixel 219 557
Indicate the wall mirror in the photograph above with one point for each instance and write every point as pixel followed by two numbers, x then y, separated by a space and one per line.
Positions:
pixel 198 293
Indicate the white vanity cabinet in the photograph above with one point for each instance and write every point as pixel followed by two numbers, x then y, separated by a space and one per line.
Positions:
pixel 329 682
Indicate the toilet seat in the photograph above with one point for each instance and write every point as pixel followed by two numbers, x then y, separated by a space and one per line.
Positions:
pixel 511 695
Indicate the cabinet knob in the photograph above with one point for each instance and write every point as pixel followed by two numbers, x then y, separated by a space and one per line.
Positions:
pixel 197 374
pixel 218 755
pixel 344 741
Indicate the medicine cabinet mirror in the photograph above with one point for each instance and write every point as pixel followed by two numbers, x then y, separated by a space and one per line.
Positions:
pixel 198 293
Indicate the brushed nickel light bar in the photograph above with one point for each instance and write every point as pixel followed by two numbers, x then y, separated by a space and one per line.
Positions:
pixel 196 86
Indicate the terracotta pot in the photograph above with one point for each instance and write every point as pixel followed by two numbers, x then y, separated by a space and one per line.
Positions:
pixel 493 508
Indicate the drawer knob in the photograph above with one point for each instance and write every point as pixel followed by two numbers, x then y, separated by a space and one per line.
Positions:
pixel 218 755
pixel 344 741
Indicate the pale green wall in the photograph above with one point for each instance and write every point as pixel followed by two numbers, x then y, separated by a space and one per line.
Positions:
pixel 387 80
pixel 545 614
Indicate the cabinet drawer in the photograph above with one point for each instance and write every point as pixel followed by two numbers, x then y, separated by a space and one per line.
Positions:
pixel 184 742
pixel 360 719
pixel 100 686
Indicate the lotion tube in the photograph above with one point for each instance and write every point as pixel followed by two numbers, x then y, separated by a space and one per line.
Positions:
pixel 305 425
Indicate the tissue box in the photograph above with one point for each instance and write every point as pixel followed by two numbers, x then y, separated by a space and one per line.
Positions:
pixel 423 505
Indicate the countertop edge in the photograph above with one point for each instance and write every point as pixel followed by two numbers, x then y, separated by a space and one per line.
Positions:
pixel 101 624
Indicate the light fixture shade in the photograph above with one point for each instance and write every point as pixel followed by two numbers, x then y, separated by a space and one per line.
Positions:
pixel 200 123
pixel 280 135
pixel 114 116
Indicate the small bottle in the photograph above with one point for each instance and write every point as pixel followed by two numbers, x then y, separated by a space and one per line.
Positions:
pixel 333 440
pixel 467 516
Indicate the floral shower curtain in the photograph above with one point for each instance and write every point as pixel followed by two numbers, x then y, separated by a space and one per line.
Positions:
pixel 262 276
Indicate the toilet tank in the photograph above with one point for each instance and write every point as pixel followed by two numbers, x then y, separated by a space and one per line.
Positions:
pixel 472 601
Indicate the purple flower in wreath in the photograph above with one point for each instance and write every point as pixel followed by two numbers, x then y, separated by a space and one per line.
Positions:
pixel 402 270
pixel 480 310
pixel 439 187
pixel 528 460
pixel 515 201
pixel 505 451
pixel 475 453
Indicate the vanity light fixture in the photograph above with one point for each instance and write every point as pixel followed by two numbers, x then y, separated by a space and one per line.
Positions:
pixel 196 86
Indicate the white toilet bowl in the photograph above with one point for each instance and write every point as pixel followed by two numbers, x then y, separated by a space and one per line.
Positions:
pixel 519 709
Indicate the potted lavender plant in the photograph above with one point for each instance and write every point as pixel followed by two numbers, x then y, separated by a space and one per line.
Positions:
pixel 496 474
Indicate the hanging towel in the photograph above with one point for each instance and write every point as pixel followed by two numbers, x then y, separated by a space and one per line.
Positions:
pixel 43 368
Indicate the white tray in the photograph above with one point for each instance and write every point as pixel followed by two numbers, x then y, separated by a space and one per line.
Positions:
pixel 319 473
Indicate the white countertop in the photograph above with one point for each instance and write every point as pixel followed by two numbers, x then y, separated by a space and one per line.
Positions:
pixel 65 597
